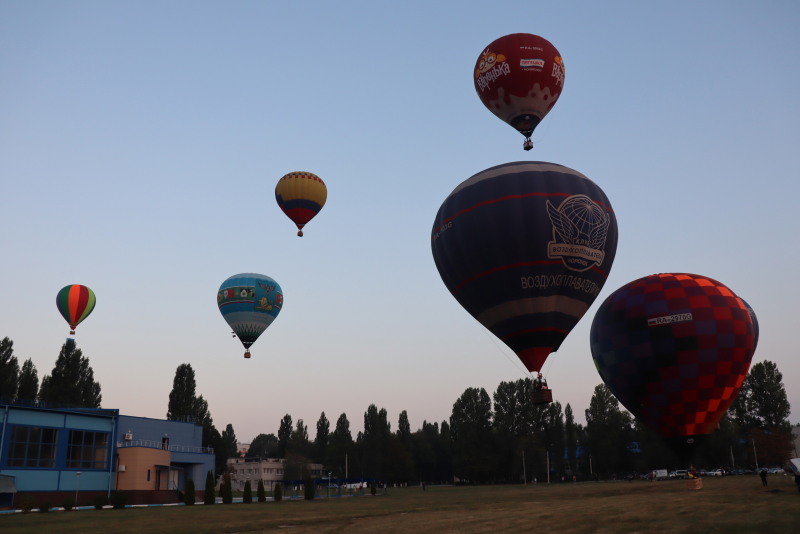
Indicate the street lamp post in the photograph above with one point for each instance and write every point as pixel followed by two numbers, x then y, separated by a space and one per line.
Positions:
pixel 77 485
pixel 329 484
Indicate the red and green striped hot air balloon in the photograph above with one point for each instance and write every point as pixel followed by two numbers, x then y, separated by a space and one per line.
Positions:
pixel 75 302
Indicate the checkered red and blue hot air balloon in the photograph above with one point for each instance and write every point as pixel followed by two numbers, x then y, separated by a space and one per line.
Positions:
pixel 75 303
pixel 674 349
pixel 525 248
pixel 301 195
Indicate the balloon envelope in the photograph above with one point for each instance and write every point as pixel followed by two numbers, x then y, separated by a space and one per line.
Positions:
pixel 674 349
pixel 525 248
pixel 300 196
pixel 249 303
pixel 519 77
pixel 755 323
pixel 75 302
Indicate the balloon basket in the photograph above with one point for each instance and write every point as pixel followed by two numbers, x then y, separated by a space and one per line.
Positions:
pixel 72 332
pixel 694 484
pixel 300 233
pixel 247 354
pixel 544 396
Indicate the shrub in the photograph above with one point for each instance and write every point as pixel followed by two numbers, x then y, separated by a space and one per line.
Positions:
pixel 247 494
pixel 309 490
pixel 119 499
pixel 373 489
pixel 227 492
pixel 208 494
pixel 188 495
pixel 262 497
pixel 26 504
pixel 45 507
pixel 68 504
pixel 277 493
pixel 100 501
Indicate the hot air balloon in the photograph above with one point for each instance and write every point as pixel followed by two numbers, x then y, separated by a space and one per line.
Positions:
pixel 755 323
pixel 525 248
pixel 301 195
pixel 249 303
pixel 674 349
pixel 75 303
pixel 519 77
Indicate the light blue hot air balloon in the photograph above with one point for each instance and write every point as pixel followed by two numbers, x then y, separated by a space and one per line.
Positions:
pixel 249 302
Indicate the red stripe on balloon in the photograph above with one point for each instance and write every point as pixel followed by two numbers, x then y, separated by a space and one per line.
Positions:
pixel 74 298
pixel 509 197
pixel 83 300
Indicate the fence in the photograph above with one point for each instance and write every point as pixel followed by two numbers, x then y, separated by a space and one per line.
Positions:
pixel 158 445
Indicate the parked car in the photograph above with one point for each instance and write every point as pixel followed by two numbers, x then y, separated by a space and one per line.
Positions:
pixel 776 471
pixel 681 473
pixel 660 474
pixel 717 473
pixel 703 473
pixel 672 474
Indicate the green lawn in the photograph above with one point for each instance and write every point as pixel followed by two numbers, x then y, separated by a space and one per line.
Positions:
pixel 725 505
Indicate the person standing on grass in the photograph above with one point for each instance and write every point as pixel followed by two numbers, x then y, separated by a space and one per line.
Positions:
pixel 763 474
pixel 798 484
pixel 574 479
pixel 797 480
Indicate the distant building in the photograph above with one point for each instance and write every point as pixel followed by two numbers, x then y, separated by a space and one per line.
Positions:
pixel 242 449
pixel 49 451
pixel 270 470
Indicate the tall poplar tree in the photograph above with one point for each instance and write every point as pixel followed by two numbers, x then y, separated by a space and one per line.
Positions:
pixel 321 441
pixel 28 382
pixel 9 370
pixel 72 380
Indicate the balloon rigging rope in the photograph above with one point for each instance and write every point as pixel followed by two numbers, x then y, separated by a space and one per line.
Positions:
pixel 485 331
pixel 545 131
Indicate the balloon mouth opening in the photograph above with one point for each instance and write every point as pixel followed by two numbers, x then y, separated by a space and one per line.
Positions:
pixel 534 357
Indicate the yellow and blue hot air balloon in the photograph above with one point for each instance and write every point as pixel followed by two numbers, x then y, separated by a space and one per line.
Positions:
pixel 301 195
pixel 249 302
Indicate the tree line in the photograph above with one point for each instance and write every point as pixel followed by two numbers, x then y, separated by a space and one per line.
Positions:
pixel 71 381
pixel 506 438
pixel 499 438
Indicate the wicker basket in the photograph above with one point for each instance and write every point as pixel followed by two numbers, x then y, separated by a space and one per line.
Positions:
pixel 694 484
pixel 544 396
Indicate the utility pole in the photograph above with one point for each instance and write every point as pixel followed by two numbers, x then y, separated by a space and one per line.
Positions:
pixel 548 467
pixel 733 462
pixel 345 465
pixel 755 453
pixel 591 472
pixel 524 474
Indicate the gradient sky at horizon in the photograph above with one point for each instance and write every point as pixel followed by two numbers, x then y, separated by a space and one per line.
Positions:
pixel 140 143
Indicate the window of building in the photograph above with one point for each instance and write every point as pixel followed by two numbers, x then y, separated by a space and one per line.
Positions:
pixel 87 450
pixel 32 446
pixel 250 471
pixel 148 475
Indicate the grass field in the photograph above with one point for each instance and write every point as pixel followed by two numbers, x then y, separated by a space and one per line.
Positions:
pixel 730 505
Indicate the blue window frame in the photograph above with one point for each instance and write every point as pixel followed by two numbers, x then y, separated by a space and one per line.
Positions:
pixel 148 475
pixel 87 450
pixel 32 446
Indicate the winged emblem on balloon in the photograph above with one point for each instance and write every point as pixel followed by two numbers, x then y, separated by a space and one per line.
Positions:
pixel 580 228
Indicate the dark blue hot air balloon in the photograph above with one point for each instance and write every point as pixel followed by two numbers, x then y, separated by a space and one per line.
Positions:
pixel 526 248
pixel 755 323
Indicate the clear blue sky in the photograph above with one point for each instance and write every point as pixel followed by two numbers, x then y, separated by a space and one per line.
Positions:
pixel 140 143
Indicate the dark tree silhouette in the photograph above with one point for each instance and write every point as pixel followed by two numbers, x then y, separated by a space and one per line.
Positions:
pixel 72 380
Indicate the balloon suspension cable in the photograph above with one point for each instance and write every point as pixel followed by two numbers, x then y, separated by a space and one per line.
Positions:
pixel 549 366
pixel 504 354
pixel 545 131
